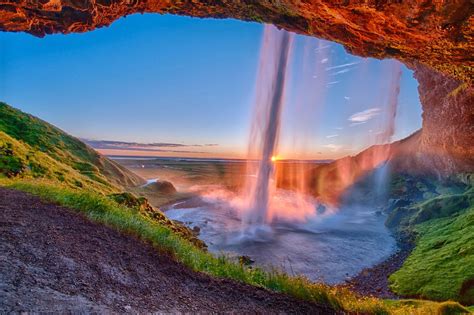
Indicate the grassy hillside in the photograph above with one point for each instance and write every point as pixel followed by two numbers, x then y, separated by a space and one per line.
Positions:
pixel 441 216
pixel 31 147
pixel 441 266
pixel 20 160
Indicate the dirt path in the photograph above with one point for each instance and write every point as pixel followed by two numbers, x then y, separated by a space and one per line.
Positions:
pixel 52 259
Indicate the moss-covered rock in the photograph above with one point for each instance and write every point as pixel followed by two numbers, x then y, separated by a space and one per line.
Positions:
pixel 399 217
pixel 451 308
pixel 440 214
pixel 161 186
pixel 442 207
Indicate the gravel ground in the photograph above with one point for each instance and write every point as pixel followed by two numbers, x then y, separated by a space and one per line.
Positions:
pixel 373 281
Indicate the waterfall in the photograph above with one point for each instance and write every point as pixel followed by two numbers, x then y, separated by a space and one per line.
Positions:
pixel 382 173
pixel 270 89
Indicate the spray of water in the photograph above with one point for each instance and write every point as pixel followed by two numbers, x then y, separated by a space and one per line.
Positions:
pixel 331 181
pixel 392 103
pixel 382 174
pixel 261 202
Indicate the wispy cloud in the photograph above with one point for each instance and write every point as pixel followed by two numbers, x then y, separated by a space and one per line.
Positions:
pixel 338 128
pixel 357 123
pixel 332 136
pixel 332 83
pixel 341 71
pixel 333 147
pixel 322 47
pixel 146 147
pixel 324 60
pixel 343 65
pixel 364 115
pixel 347 98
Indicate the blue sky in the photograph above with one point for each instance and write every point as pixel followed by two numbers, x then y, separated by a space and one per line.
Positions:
pixel 168 79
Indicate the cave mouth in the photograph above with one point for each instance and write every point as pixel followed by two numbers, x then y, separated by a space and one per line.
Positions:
pixel 192 98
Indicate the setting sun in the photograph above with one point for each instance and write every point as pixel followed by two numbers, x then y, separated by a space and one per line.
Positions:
pixel 274 158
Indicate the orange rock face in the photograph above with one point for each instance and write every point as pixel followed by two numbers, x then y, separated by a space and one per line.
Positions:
pixel 425 35
pixel 448 121
pixel 433 33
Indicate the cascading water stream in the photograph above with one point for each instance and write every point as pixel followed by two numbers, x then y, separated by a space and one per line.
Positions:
pixel 383 172
pixel 270 88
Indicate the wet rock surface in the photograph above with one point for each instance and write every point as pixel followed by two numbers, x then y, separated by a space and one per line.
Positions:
pixel 53 259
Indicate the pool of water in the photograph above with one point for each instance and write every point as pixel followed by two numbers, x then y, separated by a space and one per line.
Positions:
pixel 328 247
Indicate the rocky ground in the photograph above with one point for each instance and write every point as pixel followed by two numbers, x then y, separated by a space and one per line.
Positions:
pixel 373 281
pixel 53 259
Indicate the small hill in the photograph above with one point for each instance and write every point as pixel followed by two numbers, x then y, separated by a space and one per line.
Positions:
pixel 160 186
pixel 31 147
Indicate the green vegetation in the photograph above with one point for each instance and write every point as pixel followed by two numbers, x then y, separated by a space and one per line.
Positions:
pixel 420 307
pixel 441 216
pixel 20 160
pixel 442 262
pixel 141 206
pixel 34 136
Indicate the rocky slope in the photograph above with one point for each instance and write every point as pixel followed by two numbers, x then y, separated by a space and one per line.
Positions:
pixel 64 263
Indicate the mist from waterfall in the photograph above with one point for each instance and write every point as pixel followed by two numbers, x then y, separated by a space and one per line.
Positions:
pixel 262 202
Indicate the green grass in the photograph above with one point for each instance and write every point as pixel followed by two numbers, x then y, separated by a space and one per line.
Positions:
pixel 20 160
pixel 442 260
pixel 40 137
pixel 420 307
pixel 101 209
